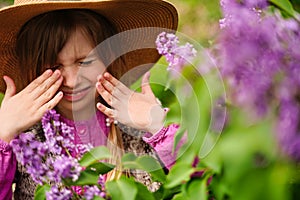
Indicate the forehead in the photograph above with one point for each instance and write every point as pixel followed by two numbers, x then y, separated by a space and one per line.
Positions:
pixel 77 47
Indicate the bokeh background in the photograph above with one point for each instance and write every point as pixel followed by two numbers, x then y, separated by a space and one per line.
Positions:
pixel 198 18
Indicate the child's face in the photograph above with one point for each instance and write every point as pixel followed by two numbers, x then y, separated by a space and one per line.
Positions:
pixel 80 67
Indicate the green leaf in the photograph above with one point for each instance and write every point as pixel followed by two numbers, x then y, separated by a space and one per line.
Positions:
pixel 85 178
pixel 285 5
pixel 90 175
pixel 98 198
pixel 129 157
pixel 143 192
pixel 1 97
pixel 100 168
pixel 40 192
pixel 146 163
pixel 166 193
pixel 174 114
pixel 122 189
pixel 94 155
pixel 178 174
pixel 196 189
pixel 179 197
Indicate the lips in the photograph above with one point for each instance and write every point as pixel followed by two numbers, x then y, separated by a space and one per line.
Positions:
pixel 76 95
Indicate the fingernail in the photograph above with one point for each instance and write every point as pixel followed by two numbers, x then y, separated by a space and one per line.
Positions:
pixel 48 72
pixel 106 74
pixel 60 93
pixel 57 72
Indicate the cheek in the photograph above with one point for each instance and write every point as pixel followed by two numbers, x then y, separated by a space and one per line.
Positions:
pixel 92 76
pixel 91 73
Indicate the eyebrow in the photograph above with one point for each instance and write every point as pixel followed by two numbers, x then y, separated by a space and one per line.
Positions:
pixel 90 55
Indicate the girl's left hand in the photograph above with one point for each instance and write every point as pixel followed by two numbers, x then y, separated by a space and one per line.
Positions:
pixel 137 110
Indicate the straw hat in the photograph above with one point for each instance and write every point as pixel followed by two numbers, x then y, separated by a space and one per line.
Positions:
pixel 125 14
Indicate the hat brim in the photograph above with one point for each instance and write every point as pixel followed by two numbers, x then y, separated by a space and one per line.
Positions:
pixel 124 14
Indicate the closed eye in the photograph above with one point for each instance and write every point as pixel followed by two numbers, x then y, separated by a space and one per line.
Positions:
pixel 84 63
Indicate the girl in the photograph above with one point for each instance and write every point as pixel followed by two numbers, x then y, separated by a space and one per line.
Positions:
pixel 68 59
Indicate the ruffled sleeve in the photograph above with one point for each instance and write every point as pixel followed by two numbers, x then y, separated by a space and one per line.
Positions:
pixel 8 166
pixel 163 142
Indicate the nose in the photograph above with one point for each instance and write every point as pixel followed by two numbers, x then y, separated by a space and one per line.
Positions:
pixel 70 76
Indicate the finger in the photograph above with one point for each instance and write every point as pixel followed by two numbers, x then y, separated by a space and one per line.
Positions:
pixel 38 81
pixel 47 95
pixel 104 93
pixel 109 87
pixel 52 103
pixel 146 88
pixel 107 111
pixel 47 84
pixel 10 87
pixel 116 83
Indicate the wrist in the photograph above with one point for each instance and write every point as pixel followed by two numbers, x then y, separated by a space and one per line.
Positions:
pixel 157 124
pixel 7 136
pixel 155 128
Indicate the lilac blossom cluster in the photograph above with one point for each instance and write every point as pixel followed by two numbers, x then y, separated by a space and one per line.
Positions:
pixel 54 159
pixel 90 192
pixel 59 194
pixel 48 160
pixel 176 55
pixel 260 59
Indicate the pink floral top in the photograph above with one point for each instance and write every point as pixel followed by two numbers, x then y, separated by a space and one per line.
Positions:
pixel 87 132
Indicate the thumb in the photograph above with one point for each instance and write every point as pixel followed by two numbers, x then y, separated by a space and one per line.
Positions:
pixel 145 84
pixel 10 87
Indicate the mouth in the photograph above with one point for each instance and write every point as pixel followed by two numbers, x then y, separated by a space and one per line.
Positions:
pixel 76 95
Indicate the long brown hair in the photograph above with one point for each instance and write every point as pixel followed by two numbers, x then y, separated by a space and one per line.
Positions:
pixel 43 37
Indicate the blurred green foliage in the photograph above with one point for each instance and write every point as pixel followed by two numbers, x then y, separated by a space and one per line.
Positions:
pixel 198 19
pixel 5 3
pixel 245 163
pixel 1 97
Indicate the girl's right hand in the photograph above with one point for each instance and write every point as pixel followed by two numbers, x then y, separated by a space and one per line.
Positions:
pixel 20 111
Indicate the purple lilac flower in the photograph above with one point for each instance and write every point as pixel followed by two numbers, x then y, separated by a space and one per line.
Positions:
pixel 49 160
pixel 30 153
pixel 260 59
pixel 101 182
pixel 58 194
pixel 176 56
pixel 92 191
pixel 288 128
pixel 229 6
pixel 251 56
pixel 66 167
pixel 59 136
pixel 81 149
